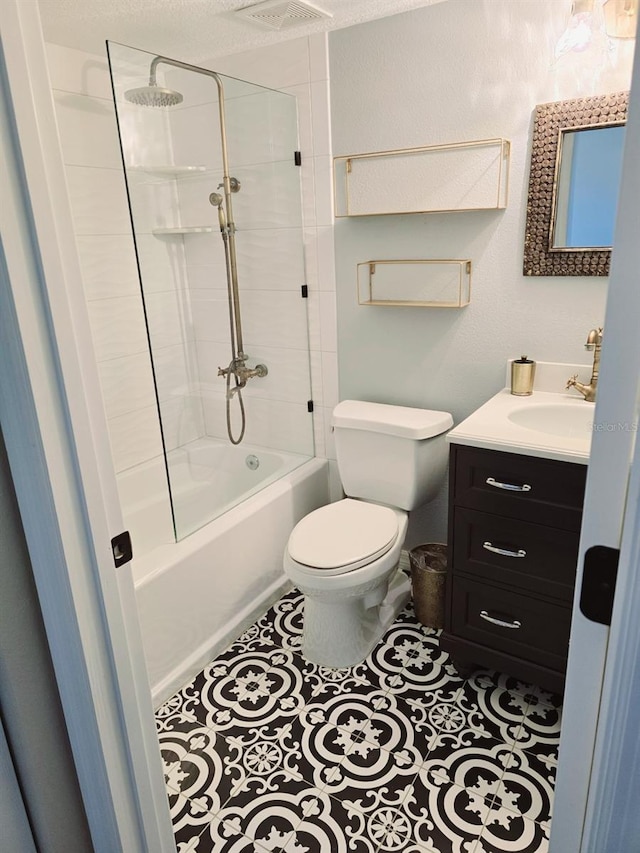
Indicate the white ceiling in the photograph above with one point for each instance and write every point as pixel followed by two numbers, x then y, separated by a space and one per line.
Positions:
pixel 192 30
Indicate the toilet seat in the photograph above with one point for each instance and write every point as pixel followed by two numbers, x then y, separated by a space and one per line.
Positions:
pixel 343 536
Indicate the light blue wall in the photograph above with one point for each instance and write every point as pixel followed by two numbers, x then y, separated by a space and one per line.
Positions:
pixel 452 72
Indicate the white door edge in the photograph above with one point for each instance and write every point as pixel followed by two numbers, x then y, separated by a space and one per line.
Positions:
pixel 57 443
pixel 604 506
pixel 612 821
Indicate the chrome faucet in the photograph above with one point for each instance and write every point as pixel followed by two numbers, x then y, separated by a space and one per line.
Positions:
pixel 594 342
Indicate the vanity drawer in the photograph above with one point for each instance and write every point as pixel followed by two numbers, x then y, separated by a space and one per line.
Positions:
pixel 519 625
pixel 509 551
pixel 542 491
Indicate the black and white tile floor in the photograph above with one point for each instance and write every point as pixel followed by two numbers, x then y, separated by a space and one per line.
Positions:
pixel 264 751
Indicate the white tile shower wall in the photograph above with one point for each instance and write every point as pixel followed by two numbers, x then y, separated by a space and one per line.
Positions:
pixel 301 68
pixel 91 152
pixel 88 131
pixel 268 223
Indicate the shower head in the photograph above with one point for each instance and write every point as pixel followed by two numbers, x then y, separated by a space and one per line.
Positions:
pixel 153 96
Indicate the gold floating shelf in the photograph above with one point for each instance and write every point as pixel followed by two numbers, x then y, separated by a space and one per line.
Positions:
pixel 418 283
pixel 460 176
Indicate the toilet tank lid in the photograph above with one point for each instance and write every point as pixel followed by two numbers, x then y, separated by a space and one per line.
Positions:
pixel 403 421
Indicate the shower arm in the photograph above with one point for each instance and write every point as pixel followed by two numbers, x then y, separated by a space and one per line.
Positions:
pixel 239 356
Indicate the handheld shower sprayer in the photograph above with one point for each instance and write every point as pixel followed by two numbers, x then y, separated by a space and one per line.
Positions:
pixel 217 200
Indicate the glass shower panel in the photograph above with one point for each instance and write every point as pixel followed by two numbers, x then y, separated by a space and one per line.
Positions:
pixel 221 264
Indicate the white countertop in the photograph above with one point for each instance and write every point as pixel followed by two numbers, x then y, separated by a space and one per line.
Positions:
pixel 490 427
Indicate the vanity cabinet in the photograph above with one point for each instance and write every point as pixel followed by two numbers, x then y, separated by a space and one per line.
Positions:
pixel 514 527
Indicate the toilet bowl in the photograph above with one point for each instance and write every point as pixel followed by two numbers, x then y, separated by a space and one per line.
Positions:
pixel 344 556
pixel 344 559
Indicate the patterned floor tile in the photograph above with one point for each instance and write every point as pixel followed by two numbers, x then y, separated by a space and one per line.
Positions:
pixel 326 731
pixel 267 811
pixel 540 732
pixel 189 820
pixel 443 817
pixel 539 696
pixel 174 715
pixel 470 760
pixel 216 840
pixel 268 748
pixel 282 625
pixel 492 710
pixel 206 771
pixel 369 769
pixel 400 724
pixel 264 751
pixel 506 832
pixel 331 826
pixel 527 786
pixel 257 688
pixel 411 643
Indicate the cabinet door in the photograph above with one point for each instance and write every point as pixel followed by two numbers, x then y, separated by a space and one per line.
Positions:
pixel 508 551
pixel 543 491
pixel 521 625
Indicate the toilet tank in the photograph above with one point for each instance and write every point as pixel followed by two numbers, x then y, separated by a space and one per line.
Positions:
pixel 393 455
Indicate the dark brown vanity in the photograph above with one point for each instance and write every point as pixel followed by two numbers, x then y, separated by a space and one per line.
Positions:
pixel 514 525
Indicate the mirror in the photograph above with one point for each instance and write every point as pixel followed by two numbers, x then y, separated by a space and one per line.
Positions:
pixel 576 162
pixel 587 187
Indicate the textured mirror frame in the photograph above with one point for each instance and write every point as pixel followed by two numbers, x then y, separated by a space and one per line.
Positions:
pixel 550 120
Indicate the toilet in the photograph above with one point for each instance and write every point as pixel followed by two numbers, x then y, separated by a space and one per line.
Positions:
pixel 344 556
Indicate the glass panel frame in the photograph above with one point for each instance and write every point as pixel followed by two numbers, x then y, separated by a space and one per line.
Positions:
pixel 172 166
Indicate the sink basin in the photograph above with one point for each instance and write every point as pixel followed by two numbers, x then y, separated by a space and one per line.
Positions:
pixel 563 419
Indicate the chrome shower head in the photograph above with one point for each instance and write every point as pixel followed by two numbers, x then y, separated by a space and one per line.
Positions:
pixel 153 96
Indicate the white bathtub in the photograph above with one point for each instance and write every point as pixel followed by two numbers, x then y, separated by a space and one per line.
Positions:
pixel 197 595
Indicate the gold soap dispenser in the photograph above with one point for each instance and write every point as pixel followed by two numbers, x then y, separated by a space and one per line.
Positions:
pixel 523 371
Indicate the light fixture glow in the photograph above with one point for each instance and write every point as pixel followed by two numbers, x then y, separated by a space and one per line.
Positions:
pixel 620 18
pixel 578 34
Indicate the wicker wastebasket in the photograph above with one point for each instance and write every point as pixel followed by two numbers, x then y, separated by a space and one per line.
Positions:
pixel 428 578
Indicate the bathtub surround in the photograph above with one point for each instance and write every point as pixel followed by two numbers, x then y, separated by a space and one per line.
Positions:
pixel 195 596
pixel 453 72
pixel 240 558
pixel 89 140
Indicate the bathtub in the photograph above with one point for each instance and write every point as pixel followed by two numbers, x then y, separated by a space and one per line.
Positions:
pixel 197 595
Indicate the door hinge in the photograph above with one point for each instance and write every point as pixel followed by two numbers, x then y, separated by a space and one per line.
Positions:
pixel 297 158
pixel 599 583
pixel 122 549
pixel 305 291
pixel 309 405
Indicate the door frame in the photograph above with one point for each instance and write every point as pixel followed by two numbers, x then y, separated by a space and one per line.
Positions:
pixel 57 442
pixel 58 448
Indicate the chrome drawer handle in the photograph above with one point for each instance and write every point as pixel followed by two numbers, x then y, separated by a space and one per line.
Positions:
pixel 500 622
pixel 505 552
pixel 511 487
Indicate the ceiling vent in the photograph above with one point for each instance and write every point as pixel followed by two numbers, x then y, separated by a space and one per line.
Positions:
pixel 282 14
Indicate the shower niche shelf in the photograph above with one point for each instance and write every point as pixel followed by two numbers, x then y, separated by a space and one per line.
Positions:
pixel 168 171
pixel 419 283
pixel 182 229
pixel 460 176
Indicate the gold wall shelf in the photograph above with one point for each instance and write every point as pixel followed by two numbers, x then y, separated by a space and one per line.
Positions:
pixel 421 283
pixel 460 176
